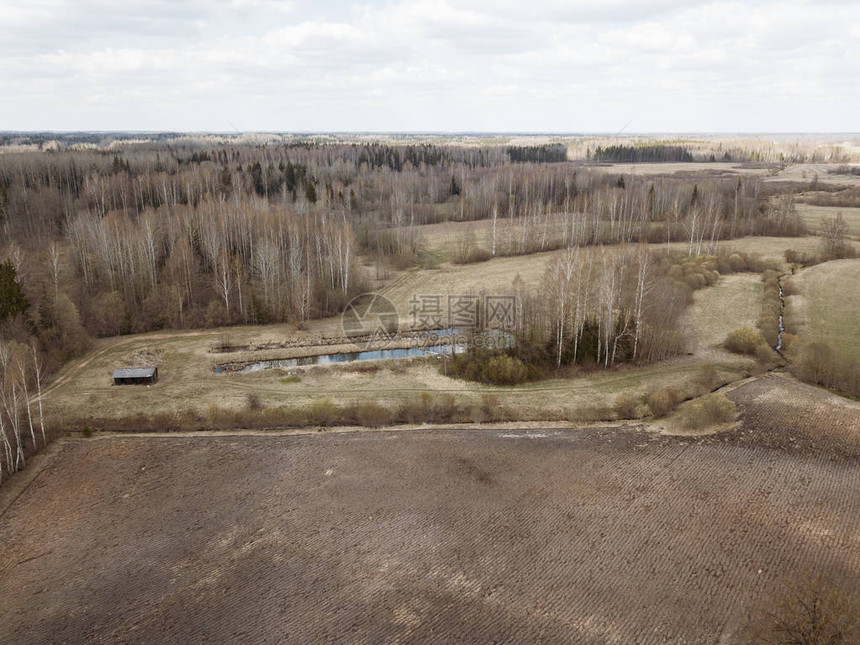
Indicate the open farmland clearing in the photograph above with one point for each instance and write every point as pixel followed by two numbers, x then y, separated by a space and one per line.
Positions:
pixel 735 301
pixel 826 303
pixel 814 217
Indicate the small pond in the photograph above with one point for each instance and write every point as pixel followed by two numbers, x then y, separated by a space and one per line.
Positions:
pixel 344 357
pixel 489 339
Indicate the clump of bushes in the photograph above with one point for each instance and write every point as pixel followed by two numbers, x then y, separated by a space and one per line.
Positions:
pixel 424 408
pixel 492 368
pixel 707 379
pixel 793 256
pixel 491 409
pixel 323 412
pixel 744 340
pixel 252 401
pixel 416 409
pixel 369 414
pixel 822 364
pixel 591 413
pixel 739 262
pixel 662 402
pixel 709 410
pixel 627 407
pixel 696 272
pixel 427 408
pixel 736 263
pixel 766 357
pixel 467 250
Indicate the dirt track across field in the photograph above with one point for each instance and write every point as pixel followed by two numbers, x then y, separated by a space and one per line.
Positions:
pixel 602 535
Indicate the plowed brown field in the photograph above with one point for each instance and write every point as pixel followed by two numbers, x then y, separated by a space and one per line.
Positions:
pixel 781 412
pixel 602 535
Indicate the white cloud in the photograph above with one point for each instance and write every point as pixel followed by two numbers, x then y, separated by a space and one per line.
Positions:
pixel 430 65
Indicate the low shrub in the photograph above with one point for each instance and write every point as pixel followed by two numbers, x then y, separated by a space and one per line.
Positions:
pixel 744 340
pixel 444 409
pixel 627 407
pixel 707 379
pixel 368 413
pixel 819 611
pixel 730 261
pixel 765 355
pixel 662 402
pixel 416 409
pixel 591 413
pixel 492 408
pixel 822 364
pixel 253 402
pixel 737 263
pixel 709 410
pixel 323 412
pixel 504 370
pixel 494 369
pixel 477 414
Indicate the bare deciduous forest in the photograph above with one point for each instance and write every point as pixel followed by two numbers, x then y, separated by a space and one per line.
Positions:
pixel 138 236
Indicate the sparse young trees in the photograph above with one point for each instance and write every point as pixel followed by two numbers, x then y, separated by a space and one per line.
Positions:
pixel 833 237
pixel 20 370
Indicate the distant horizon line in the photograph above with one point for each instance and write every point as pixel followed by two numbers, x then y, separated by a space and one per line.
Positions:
pixel 582 133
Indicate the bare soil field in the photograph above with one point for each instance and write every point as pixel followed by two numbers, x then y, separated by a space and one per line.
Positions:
pixel 601 535
pixel 825 304
pixel 780 412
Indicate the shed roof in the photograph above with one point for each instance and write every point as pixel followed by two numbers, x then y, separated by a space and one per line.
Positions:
pixel 134 372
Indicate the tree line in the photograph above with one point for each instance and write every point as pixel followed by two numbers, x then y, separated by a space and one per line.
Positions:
pixel 165 234
pixel 642 154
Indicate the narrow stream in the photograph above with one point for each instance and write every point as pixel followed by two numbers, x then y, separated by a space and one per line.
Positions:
pixel 781 317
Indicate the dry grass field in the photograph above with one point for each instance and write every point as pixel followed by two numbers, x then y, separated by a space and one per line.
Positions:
pixel 186 359
pixel 704 168
pixel 801 173
pixel 814 216
pixel 826 303
pixel 187 382
pixel 806 172
pixel 735 301
pixel 186 362
pixel 494 276
pixel 601 535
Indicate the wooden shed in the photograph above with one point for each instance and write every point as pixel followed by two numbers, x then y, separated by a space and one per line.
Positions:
pixel 135 376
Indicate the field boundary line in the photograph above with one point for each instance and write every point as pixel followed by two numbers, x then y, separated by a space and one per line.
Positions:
pixel 513 426
pixel 12 489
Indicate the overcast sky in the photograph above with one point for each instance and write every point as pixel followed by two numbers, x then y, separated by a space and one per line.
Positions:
pixel 430 65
